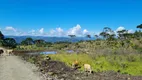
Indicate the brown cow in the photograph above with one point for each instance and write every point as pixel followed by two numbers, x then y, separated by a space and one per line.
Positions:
pixel 75 64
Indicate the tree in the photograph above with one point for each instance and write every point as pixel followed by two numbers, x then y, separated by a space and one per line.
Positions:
pixel 106 29
pixel 103 34
pixel 1 36
pixel 137 34
pixel 71 36
pixel 96 36
pixel 1 42
pixel 111 37
pixel 40 43
pixel 27 41
pixel 10 42
pixel 48 44
pixel 88 36
pixel 123 34
pixel 139 26
pixel 107 33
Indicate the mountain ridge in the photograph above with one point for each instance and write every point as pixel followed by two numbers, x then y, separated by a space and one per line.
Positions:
pixel 19 39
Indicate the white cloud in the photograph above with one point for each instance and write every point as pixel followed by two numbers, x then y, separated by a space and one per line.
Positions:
pixel 52 32
pixel 120 28
pixel 85 32
pixel 60 31
pixel 38 32
pixel 78 31
pixel 130 31
pixel 75 30
pixel 32 32
pixel 41 31
pixel 57 32
pixel 10 28
pixel 72 31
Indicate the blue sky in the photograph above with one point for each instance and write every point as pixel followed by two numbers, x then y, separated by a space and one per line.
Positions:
pixel 62 17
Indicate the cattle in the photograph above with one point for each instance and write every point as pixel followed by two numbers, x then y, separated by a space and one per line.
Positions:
pixel 87 67
pixel 47 58
pixel 1 52
pixel 75 64
pixel 10 52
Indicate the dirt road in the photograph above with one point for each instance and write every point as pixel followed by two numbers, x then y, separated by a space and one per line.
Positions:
pixel 13 68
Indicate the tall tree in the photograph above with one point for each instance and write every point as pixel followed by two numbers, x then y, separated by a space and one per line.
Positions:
pixel 10 42
pixel 139 26
pixel 106 29
pixel 103 34
pixel 40 43
pixel 88 36
pixel 122 34
pixel 96 36
pixel 27 41
pixel 107 33
pixel 72 36
pixel 111 36
pixel 137 34
pixel 1 36
pixel 140 32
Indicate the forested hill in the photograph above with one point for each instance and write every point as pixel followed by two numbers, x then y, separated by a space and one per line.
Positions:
pixel 50 39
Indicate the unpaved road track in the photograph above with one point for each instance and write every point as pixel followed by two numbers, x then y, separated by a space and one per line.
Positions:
pixel 13 68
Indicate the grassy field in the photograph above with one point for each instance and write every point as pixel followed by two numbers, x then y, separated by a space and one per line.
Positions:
pixel 123 56
pixel 125 64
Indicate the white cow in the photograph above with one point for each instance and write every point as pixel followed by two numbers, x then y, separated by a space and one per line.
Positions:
pixel 87 67
pixel 10 51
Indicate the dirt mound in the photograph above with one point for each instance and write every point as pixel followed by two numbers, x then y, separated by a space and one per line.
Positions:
pixel 58 67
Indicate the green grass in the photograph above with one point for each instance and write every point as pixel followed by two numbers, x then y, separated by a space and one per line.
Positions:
pixel 104 63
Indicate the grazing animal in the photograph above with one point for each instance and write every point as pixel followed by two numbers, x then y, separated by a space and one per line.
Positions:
pixel 47 58
pixel 1 52
pixel 75 64
pixel 10 52
pixel 87 67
